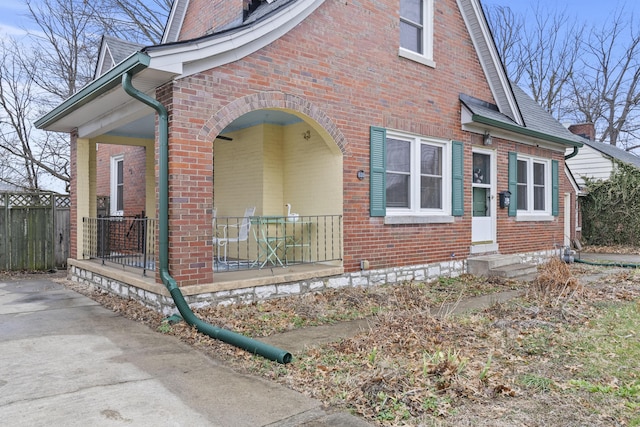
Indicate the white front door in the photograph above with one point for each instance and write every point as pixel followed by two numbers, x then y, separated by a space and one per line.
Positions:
pixel 483 224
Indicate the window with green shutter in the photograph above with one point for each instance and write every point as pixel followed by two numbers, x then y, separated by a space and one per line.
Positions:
pixel 413 175
pixel 513 183
pixel 457 178
pixel 533 183
pixel 555 187
pixel 377 181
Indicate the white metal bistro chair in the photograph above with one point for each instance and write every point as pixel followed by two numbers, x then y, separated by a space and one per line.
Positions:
pixel 226 236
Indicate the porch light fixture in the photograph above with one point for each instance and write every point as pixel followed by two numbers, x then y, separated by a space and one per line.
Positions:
pixel 487 139
pixel 360 174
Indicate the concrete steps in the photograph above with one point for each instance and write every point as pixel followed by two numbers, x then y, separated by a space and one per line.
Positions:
pixel 507 266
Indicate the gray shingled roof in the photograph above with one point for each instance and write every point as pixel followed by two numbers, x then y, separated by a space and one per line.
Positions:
pixel 538 119
pixel 614 152
pixel 120 49
pixel 535 117
pixel 264 9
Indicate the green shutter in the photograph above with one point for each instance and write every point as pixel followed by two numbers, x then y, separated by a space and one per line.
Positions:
pixel 457 178
pixel 377 175
pixel 513 183
pixel 554 189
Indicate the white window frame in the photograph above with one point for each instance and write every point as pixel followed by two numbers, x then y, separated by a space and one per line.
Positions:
pixel 415 174
pixel 426 57
pixel 530 211
pixel 114 185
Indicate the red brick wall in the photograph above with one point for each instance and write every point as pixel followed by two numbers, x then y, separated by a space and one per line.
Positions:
pixel 347 81
pixel 527 236
pixel 134 175
pixel 205 16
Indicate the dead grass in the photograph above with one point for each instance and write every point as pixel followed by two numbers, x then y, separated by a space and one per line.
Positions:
pixel 514 363
pixel 615 249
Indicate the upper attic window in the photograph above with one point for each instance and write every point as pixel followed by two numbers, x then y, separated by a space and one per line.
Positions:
pixel 416 31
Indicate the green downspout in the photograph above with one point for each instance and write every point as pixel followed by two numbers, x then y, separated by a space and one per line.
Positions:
pixel 573 153
pixel 229 337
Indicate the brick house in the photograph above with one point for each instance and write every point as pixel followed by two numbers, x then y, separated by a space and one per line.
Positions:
pixel 393 119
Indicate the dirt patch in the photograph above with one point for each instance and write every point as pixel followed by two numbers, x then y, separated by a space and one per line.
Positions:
pixel 513 363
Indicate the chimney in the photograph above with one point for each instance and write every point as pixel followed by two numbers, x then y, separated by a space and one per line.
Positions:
pixel 585 130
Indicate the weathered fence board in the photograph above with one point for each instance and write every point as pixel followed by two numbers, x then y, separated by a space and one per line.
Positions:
pixel 34 231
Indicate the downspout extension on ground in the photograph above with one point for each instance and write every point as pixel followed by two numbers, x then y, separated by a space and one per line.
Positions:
pixel 249 344
pixel 608 264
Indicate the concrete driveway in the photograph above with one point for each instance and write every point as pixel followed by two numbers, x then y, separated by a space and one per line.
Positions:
pixel 67 361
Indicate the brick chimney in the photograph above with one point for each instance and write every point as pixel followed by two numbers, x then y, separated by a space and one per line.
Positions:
pixel 585 130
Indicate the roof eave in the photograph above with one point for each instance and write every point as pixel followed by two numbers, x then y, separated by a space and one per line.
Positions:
pixel 214 50
pixel 524 131
pixel 112 78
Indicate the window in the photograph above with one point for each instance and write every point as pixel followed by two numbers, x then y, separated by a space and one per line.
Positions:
pixel 416 30
pixel 533 186
pixel 414 178
pixel 117 185
pixel 535 183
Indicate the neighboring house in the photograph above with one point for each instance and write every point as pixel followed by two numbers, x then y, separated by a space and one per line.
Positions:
pixel 596 160
pixel 390 126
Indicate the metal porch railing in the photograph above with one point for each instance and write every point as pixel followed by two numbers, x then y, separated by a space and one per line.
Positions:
pixel 271 241
pixel 129 241
pixel 276 241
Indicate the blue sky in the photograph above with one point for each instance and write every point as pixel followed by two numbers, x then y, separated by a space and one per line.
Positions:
pixel 589 12
pixel 11 17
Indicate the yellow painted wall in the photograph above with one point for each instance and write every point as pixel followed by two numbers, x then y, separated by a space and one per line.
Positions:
pixel 312 173
pixel 273 202
pixel 267 166
pixel 238 172
pixel 85 188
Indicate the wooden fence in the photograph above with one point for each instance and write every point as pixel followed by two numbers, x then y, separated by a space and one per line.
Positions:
pixel 34 231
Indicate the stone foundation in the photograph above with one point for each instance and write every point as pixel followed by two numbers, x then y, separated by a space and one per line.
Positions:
pixel 156 297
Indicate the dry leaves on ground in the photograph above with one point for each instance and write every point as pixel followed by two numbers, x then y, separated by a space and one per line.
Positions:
pixel 508 364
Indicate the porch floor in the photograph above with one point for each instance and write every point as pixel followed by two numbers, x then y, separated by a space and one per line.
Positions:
pixel 222 281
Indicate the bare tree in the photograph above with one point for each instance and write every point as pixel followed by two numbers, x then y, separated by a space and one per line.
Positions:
pixel 584 79
pixel 607 91
pixel 540 53
pixel 507 29
pixel 65 47
pixel 141 21
pixel 51 65
pixel 24 157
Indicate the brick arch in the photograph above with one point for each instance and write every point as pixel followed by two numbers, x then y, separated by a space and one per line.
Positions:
pixel 262 100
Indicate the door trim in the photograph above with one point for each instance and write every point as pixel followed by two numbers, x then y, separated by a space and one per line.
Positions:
pixel 487 245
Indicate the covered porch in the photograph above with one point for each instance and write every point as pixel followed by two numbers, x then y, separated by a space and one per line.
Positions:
pixel 273 161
